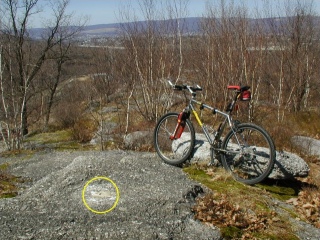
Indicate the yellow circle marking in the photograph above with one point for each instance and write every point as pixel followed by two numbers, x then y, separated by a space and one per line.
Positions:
pixel 114 204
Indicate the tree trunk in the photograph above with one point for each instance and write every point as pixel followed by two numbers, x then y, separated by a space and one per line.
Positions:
pixel 24 119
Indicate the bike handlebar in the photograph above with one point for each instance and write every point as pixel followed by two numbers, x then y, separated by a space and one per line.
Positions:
pixel 198 88
pixel 185 87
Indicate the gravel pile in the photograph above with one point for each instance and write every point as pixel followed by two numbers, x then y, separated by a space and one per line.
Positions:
pixel 150 206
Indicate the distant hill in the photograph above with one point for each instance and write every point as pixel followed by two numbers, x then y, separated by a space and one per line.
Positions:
pixel 102 30
pixel 114 29
pixel 189 25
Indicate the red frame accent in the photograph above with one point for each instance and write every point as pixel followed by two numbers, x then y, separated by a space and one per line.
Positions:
pixel 179 128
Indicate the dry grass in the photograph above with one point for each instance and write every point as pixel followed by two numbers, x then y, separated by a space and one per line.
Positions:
pixel 293 124
pixel 8 186
pixel 83 130
pixel 246 212
pixel 307 205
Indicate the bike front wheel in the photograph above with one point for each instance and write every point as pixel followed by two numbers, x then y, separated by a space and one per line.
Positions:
pixel 248 153
pixel 173 151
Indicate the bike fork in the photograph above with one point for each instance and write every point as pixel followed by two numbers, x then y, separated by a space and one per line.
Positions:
pixel 182 118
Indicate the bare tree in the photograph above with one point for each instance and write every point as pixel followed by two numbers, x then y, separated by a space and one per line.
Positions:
pixel 154 51
pixel 106 86
pixel 294 62
pixel 276 56
pixel 60 56
pixel 225 43
pixel 25 57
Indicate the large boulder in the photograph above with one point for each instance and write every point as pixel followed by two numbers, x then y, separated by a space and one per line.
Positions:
pixel 104 133
pixel 201 149
pixel 136 140
pixel 287 165
pixel 310 145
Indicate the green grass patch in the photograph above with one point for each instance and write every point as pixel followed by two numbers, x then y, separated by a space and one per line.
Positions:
pixel 231 232
pixel 8 186
pixel 270 236
pixel 52 137
pixel 59 140
pixel 4 166
pixel 221 181
pixel 17 153
pixel 282 193
pixel 74 146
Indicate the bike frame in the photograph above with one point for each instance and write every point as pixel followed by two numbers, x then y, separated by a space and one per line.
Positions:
pixel 227 119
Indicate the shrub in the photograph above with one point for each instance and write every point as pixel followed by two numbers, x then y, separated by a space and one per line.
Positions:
pixel 83 130
pixel 67 114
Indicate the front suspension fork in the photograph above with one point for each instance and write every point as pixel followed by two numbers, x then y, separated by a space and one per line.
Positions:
pixel 182 118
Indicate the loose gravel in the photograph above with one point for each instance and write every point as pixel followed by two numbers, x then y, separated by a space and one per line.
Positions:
pixel 50 204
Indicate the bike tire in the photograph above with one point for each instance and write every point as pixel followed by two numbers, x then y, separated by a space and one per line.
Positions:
pixel 252 161
pixel 177 151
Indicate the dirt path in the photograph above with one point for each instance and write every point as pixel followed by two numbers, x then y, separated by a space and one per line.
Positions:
pixel 51 206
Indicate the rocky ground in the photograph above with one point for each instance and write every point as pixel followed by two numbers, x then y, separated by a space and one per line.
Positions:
pixel 151 203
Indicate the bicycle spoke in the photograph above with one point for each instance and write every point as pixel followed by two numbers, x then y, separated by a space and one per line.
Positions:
pixel 249 154
pixel 175 151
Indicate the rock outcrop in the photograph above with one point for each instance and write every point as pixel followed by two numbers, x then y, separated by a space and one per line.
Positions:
pixel 310 145
pixel 287 165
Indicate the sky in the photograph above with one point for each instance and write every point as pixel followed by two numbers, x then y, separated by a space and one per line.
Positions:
pixel 107 11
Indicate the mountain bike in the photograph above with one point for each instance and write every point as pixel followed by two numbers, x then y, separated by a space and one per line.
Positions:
pixel 246 151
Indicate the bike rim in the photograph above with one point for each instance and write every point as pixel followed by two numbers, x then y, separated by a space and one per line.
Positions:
pixel 173 150
pixel 250 162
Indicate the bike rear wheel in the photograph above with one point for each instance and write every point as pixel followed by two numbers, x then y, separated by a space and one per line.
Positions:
pixel 249 153
pixel 176 151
